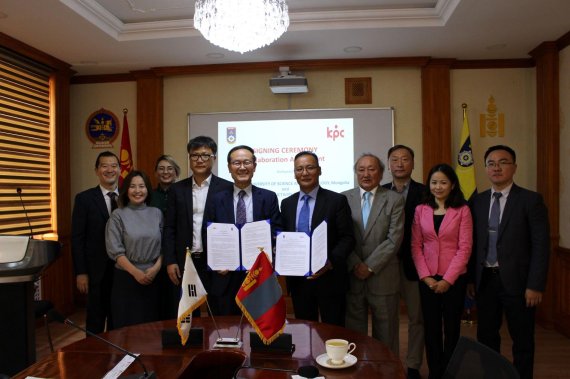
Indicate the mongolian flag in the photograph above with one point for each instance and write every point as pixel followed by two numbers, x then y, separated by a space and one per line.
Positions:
pixel 193 295
pixel 126 155
pixel 261 300
pixel 464 169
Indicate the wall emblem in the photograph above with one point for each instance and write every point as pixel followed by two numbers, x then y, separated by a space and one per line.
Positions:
pixel 102 128
pixel 492 123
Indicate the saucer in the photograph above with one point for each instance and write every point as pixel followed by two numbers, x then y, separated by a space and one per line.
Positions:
pixel 324 360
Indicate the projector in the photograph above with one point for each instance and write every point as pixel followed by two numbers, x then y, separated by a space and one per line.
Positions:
pixel 286 82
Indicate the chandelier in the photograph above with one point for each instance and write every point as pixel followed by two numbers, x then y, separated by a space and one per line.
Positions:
pixel 241 25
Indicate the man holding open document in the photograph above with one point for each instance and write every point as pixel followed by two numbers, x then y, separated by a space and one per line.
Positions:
pixel 323 291
pixel 241 204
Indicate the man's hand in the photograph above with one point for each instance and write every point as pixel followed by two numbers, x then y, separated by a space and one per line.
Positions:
pixel 83 283
pixel 174 273
pixel 533 298
pixel 326 267
pixel 361 271
pixel 223 272
pixel 471 291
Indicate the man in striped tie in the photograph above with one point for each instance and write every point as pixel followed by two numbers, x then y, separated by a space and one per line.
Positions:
pixel 378 216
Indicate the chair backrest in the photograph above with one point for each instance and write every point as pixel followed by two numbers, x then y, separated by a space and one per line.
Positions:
pixel 473 360
pixel 219 364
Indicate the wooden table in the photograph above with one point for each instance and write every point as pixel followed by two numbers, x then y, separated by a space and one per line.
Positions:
pixel 91 358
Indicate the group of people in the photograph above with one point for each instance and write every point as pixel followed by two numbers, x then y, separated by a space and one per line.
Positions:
pixel 424 244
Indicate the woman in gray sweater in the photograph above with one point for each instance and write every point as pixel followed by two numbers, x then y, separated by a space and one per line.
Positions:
pixel 133 239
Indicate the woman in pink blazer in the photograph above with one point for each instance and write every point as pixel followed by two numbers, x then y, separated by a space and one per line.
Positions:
pixel 442 236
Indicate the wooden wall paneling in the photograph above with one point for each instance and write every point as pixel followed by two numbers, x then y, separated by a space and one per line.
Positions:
pixel 436 113
pixel 150 124
pixel 548 158
pixel 561 275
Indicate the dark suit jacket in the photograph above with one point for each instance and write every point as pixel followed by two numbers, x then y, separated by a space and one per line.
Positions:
pixel 88 223
pixel 178 227
pixel 523 243
pixel 221 209
pixel 415 193
pixel 332 207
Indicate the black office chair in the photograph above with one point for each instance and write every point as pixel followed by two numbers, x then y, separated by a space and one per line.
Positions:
pixel 41 308
pixel 473 360
pixel 219 364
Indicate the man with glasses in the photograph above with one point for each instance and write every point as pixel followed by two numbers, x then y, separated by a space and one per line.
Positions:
pixel 238 204
pixel 510 258
pixel 323 293
pixel 187 201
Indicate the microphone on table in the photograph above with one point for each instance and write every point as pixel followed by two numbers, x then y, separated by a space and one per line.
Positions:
pixel 19 191
pixel 309 372
pixel 54 315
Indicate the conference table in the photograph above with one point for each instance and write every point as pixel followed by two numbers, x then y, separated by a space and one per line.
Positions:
pixel 91 358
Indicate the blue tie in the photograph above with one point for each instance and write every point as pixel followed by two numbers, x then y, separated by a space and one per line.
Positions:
pixel 366 208
pixel 494 221
pixel 304 215
pixel 241 216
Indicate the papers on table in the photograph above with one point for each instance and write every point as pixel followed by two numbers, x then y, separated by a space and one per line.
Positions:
pixel 235 248
pixel 297 254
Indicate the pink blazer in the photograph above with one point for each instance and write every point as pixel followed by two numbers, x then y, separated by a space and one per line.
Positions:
pixel 446 253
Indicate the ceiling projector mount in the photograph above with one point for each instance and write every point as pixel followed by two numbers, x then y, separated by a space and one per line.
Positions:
pixel 287 82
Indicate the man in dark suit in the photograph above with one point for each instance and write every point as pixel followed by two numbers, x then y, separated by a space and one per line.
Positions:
pixel 324 292
pixel 187 201
pixel 93 268
pixel 238 204
pixel 401 164
pixel 510 258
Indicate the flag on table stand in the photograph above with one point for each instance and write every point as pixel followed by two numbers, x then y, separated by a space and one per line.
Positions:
pixel 126 154
pixel 465 170
pixel 193 295
pixel 261 300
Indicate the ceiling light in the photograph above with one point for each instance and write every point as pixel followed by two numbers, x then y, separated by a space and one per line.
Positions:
pixel 241 25
pixel 352 49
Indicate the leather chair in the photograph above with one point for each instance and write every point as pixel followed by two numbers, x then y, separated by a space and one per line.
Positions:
pixel 219 364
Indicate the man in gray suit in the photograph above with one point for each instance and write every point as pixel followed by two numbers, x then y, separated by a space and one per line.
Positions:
pixel 374 283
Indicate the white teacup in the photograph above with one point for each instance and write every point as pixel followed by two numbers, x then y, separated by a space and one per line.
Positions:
pixel 338 349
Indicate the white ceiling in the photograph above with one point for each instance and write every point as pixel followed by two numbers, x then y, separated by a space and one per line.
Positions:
pixel 118 36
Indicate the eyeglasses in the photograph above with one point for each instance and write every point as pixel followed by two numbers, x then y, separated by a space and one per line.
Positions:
pixel 310 169
pixel 238 164
pixel 205 157
pixel 499 164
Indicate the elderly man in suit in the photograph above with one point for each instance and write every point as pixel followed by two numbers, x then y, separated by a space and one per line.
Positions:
pixel 187 201
pixel 241 203
pixel 401 164
pixel 378 216
pixel 93 268
pixel 510 258
pixel 323 293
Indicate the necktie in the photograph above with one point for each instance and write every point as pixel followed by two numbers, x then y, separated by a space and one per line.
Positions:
pixel 304 215
pixel 241 215
pixel 494 221
pixel 113 197
pixel 366 208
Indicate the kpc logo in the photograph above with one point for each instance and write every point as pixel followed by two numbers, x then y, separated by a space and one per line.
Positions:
pixel 335 133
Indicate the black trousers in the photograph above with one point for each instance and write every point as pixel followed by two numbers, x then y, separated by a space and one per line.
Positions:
pixel 492 301
pixel 307 304
pixel 442 309
pixel 98 309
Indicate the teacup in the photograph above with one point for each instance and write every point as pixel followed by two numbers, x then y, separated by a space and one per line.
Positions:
pixel 338 349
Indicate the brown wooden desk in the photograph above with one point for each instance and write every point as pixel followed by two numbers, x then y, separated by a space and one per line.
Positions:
pixel 91 358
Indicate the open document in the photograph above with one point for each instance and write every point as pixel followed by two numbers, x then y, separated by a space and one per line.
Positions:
pixel 298 254
pixel 235 248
